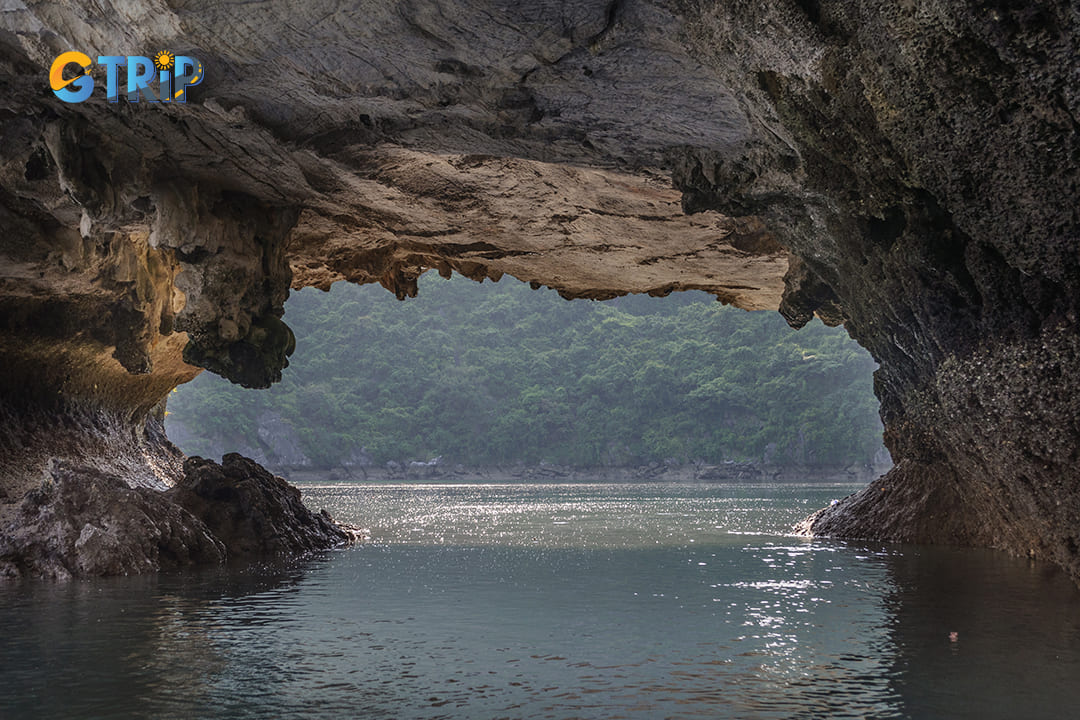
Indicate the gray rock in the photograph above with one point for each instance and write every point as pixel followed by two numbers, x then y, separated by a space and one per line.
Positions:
pixel 82 522
pixel 280 442
pixel 252 512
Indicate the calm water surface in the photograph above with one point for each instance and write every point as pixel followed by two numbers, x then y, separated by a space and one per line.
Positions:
pixel 558 601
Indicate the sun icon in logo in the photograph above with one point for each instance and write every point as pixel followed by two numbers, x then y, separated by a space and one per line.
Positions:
pixel 164 60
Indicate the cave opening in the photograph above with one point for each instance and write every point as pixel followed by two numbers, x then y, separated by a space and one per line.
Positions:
pixel 500 378
pixel 906 173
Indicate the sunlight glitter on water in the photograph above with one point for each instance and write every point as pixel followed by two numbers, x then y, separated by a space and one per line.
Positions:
pixel 561 515
pixel 555 602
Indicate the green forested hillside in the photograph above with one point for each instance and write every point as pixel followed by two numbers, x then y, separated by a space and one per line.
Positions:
pixel 499 373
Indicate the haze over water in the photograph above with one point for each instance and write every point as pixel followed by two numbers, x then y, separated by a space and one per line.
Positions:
pixel 559 601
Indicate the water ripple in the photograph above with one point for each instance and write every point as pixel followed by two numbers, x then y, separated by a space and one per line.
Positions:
pixel 557 602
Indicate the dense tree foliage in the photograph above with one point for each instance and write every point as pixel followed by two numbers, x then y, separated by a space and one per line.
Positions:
pixel 489 374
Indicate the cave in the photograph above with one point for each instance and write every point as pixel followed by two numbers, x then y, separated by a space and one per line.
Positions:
pixel 907 170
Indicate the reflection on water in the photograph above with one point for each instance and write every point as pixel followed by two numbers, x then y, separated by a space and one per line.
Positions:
pixel 556 602
pixel 116 647
pixel 1015 627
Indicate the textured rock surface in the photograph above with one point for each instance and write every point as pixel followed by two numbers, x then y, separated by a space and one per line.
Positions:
pixel 934 213
pixel 83 433
pixel 911 168
pixel 251 511
pixel 82 522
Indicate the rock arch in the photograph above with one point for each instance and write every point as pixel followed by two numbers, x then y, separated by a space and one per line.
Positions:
pixel 908 170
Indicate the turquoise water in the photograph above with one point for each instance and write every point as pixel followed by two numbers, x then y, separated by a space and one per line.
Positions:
pixel 558 601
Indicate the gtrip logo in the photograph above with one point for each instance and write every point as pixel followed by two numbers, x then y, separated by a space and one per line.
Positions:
pixel 172 75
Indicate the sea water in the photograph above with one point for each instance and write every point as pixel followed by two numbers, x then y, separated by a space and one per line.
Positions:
pixel 558 601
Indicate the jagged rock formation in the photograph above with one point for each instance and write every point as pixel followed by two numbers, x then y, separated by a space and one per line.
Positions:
pixel 252 512
pixel 81 522
pixel 908 169
pixel 934 215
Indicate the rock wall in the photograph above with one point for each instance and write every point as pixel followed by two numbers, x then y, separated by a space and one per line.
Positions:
pixel 934 215
pixel 907 169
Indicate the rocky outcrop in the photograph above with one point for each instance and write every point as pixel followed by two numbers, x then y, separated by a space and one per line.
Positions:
pixel 281 441
pixel 277 445
pixel 82 522
pixel 907 169
pixel 252 512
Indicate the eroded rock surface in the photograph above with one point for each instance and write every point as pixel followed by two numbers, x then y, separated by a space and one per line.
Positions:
pixel 81 522
pixel 938 152
pixel 907 169
pixel 251 511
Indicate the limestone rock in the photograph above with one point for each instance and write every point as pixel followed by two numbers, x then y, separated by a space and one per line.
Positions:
pixel 252 512
pixel 82 522
pixel 282 444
